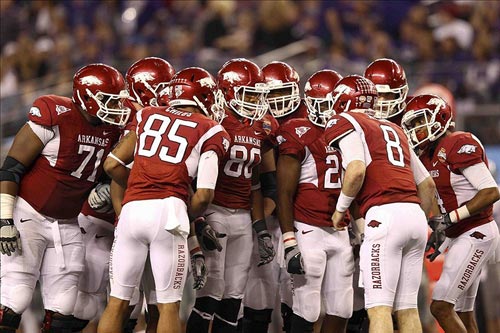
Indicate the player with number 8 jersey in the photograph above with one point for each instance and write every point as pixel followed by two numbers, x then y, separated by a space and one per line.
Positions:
pixel 388 182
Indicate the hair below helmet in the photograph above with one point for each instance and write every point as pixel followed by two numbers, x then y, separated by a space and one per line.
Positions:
pixel 146 78
pixel 389 78
pixel 283 83
pixel 241 88
pixel 426 119
pixel 99 90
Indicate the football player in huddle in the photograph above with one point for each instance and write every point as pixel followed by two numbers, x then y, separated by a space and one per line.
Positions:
pixel 145 79
pixel 265 281
pixel 54 162
pixel 385 177
pixel 169 147
pixel 309 181
pixel 238 204
pixel 466 193
pixel 390 80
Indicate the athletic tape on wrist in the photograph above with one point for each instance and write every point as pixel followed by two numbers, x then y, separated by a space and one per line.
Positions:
pixel 343 202
pixel 459 214
pixel 289 239
pixel 6 205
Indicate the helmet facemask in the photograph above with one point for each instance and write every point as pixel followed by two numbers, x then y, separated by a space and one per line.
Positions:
pixel 320 109
pixel 250 102
pixel 285 98
pixel 111 109
pixel 385 109
pixel 426 131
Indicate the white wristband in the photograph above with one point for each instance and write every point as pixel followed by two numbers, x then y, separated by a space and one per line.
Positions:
pixel 343 202
pixel 459 214
pixel 289 239
pixel 6 205
pixel 193 245
pixel 116 159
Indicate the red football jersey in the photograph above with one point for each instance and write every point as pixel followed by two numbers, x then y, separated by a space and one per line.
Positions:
pixel 108 217
pixel 235 172
pixel 60 179
pixel 169 145
pixel 454 152
pixel 388 177
pixel 320 174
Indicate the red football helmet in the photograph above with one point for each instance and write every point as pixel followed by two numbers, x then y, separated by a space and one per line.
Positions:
pixel 241 87
pixel 427 118
pixel 146 78
pixel 193 86
pixel 389 78
pixel 283 83
pixel 318 95
pixel 354 92
pixel 100 90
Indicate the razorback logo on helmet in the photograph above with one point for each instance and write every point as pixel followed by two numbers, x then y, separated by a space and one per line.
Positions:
pixel 342 88
pixel 90 80
pixel 374 224
pixel 301 130
pixel 231 77
pixel 438 102
pixel 60 109
pixel 442 155
pixel 34 111
pixel 143 76
pixel 280 139
pixel 178 91
pixel 467 149
pixel 477 235
pixel 307 87
pixel 207 82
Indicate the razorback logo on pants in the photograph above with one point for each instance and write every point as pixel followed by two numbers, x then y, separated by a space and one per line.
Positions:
pixel 374 224
pixel 477 235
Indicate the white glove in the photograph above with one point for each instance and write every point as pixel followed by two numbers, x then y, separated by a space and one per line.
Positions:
pixel 10 239
pixel 100 198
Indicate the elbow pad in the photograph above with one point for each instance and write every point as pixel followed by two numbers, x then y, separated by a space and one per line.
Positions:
pixel 12 170
pixel 268 185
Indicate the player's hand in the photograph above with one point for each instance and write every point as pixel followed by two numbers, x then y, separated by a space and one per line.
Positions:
pixel 10 239
pixel 338 221
pixel 440 223
pixel 207 236
pixel 100 198
pixel 199 270
pixel 265 242
pixel 435 241
pixel 293 260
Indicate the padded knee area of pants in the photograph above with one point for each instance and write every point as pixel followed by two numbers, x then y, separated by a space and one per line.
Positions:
pixel 89 306
pixel 64 303
pixel 16 297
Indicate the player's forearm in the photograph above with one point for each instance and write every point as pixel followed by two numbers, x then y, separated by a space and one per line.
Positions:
pixel 257 201
pixel 425 191
pixel 353 178
pixel 483 199
pixel 285 212
pixel 200 201
pixel 117 195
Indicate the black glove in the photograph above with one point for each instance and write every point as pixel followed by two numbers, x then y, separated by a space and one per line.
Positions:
pixel 266 248
pixel 440 223
pixel 435 240
pixel 293 260
pixel 207 236
pixel 199 270
pixel 10 239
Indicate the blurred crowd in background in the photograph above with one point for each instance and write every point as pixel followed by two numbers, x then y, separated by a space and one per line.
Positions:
pixel 455 43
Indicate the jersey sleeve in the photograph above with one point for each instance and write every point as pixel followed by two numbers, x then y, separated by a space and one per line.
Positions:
pixel 289 142
pixel 41 112
pixel 218 141
pixel 337 128
pixel 465 152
